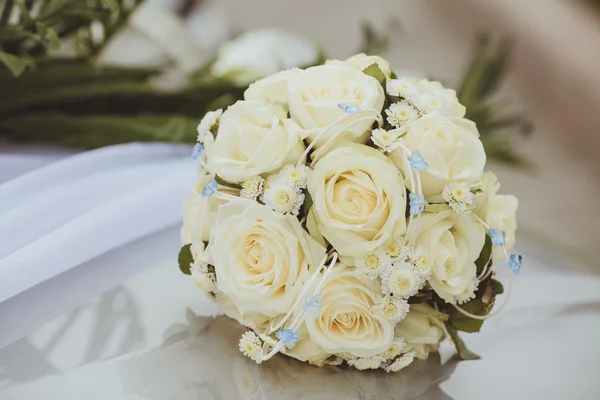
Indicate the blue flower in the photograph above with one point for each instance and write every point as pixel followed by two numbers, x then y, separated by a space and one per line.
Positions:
pixel 514 263
pixel 498 237
pixel 210 188
pixel 417 203
pixel 312 304
pixel 417 162
pixel 197 151
pixel 288 337
pixel 349 108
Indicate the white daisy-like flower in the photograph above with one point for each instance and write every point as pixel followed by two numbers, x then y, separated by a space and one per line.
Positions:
pixel 430 102
pixel 283 197
pixel 297 176
pixel 395 349
pixel 459 197
pixel 403 87
pixel 363 363
pixel 469 293
pixel 418 259
pixel 401 280
pixel 394 249
pixel 387 141
pixel 401 362
pixel 373 264
pixel 204 280
pixel 401 113
pixel 251 346
pixel 198 251
pixel 394 309
pixel 210 119
pixel 252 188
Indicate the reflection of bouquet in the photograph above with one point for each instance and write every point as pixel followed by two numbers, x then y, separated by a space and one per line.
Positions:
pixel 341 214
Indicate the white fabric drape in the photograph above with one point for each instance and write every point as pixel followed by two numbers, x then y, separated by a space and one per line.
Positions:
pixel 55 218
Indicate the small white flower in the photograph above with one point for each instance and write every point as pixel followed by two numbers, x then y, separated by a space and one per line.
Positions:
pixel 387 141
pixel 469 293
pixel 373 264
pixel 394 249
pixel 251 346
pixel 199 252
pixel 283 197
pixel 401 113
pixel 429 103
pixel 401 280
pixel 373 362
pixel 459 197
pixel 418 259
pixel 394 309
pixel 395 349
pixel 401 363
pixel 205 280
pixel 401 88
pixel 297 176
pixel 210 119
pixel 252 188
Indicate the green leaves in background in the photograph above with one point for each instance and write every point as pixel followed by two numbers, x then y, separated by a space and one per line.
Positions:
pixel 185 259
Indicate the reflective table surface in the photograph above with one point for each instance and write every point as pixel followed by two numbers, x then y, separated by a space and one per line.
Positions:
pixel 154 336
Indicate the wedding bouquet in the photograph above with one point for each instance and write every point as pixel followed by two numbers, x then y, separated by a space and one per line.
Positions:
pixel 342 214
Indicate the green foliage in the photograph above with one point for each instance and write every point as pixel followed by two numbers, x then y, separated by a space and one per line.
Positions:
pixel 374 71
pixel 486 255
pixel 461 348
pixel 185 259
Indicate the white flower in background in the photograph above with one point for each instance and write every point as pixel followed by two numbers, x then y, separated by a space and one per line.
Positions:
pixel 252 140
pixel 296 175
pixel 346 323
pixel 315 94
pixel 401 113
pixel 401 363
pixel 373 264
pixel 387 141
pixel 262 259
pixel 395 349
pixel 252 188
pixel 401 280
pixel 373 362
pixel 459 197
pixel 421 329
pixel 361 61
pixel 450 146
pixel 394 309
pixel 427 96
pixel 273 88
pixel 469 293
pixel 251 346
pixel 259 53
pixel 453 242
pixel 283 197
pixel 207 123
pixel 359 200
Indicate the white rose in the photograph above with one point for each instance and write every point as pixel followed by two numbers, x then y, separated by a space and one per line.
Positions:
pixel 314 96
pixel 361 61
pixel 358 199
pixel 453 241
pixel 421 330
pixel 346 323
pixel 198 212
pixel 259 53
pixel 450 146
pixel 273 88
pixel 261 258
pixel 498 211
pixel 252 139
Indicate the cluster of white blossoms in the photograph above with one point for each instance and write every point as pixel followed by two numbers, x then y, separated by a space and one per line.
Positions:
pixel 343 215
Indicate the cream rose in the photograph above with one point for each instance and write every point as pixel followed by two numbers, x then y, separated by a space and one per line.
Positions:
pixel 358 199
pixel 198 213
pixel 453 241
pixel 361 61
pixel 498 211
pixel 272 89
pixel 252 139
pixel 346 323
pixel 450 146
pixel 314 96
pixel 261 258
pixel 421 329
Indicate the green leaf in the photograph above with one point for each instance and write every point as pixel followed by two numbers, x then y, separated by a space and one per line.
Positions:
pixel 485 256
pixel 465 323
pixel 185 259
pixel 461 348
pixel 374 71
pixel 53 39
pixel 420 297
pixel 15 64
pixel 223 182
pixel 113 5
pixel 497 287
